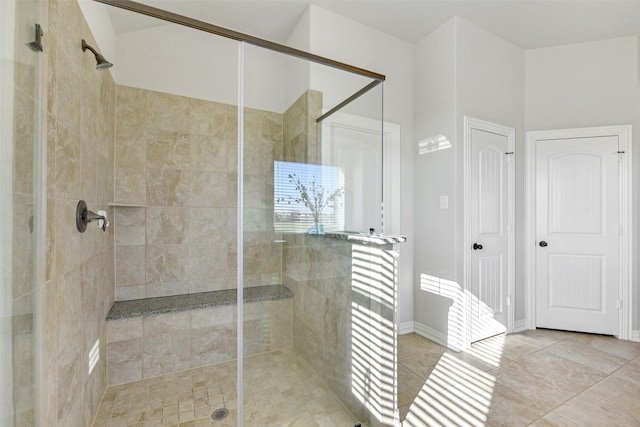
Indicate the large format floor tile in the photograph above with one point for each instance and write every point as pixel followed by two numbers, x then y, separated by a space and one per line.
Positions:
pixel 539 378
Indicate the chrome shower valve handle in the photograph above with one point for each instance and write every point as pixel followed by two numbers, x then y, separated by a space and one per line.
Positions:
pixel 84 216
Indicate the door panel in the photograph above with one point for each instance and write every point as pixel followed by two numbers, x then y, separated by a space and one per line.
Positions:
pixel 576 282
pixel 358 152
pixel 489 211
pixel 577 218
pixel 575 198
pixel 491 285
pixel 490 180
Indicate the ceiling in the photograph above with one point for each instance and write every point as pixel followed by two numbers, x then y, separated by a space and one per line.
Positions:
pixel 526 23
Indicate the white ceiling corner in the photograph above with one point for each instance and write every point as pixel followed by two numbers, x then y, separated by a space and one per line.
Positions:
pixel 525 23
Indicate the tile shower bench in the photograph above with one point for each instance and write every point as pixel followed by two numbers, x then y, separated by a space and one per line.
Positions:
pixel 154 336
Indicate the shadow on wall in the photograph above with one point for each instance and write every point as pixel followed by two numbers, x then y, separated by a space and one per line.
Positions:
pixel 450 295
pixel 466 313
pixel 372 353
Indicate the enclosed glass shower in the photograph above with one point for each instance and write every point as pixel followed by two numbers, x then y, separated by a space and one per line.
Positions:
pixel 250 173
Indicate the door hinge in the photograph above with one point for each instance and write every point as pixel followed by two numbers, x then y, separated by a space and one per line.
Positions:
pixel 619 304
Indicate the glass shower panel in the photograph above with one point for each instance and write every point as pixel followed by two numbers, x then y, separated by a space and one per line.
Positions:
pixel 175 212
pixel 20 199
pixel 373 268
pixel 317 329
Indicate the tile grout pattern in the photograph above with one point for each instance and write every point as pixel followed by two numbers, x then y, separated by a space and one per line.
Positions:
pixel 538 378
pixel 280 389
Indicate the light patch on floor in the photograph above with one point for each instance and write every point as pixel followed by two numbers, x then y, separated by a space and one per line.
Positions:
pixel 538 378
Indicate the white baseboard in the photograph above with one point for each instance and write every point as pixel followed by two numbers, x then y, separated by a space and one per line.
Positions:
pixel 635 335
pixel 422 330
pixel 430 333
pixel 406 327
pixel 520 325
pixel 441 338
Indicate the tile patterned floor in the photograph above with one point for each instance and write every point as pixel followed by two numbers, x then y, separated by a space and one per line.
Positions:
pixel 539 378
pixel 280 390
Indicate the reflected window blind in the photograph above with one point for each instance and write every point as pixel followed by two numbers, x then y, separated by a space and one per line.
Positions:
pixel 290 213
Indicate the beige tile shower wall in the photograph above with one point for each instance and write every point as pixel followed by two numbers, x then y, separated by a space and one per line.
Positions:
pixel 340 326
pixel 79 267
pixel 147 346
pixel 317 270
pixel 19 318
pixel 302 135
pixel 176 157
pixel 262 145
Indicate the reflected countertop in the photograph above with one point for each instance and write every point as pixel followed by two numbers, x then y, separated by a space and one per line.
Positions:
pixel 368 238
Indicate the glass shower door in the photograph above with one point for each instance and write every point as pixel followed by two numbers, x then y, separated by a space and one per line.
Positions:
pixel 317 321
pixel 20 192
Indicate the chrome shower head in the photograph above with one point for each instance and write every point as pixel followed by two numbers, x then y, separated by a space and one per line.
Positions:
pixel 101 63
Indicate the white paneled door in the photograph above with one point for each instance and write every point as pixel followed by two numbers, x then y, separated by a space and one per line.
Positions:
pixel 490 223
pixel 577 234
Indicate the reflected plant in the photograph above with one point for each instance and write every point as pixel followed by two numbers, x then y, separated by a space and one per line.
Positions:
pixel 314 197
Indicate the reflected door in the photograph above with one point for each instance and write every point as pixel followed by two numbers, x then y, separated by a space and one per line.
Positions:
pixel 354 145
pixel 490 251
pixel 577 222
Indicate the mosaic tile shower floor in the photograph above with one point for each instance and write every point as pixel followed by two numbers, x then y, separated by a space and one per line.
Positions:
pixel 280 390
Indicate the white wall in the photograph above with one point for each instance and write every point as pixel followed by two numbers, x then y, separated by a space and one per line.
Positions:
pixel 342 39
pixel 580 85
pixel 461 70
pixel 435 172
pixel 298 71
pixel 183 61
pixel 588 84
pixel 97 17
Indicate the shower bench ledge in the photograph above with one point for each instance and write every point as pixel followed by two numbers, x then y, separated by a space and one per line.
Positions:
pixel 186 302
pixel 154 336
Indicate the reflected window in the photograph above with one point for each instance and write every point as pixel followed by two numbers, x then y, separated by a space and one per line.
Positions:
pixel 308 198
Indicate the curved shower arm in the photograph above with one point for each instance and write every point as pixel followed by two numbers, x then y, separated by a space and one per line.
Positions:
pixel 85 46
